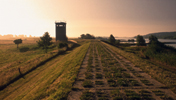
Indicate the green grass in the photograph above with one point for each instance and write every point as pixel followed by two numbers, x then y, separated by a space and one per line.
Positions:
pixel 146 95
pixel 86 95
pixel 158 92
pixel 132 95
pixel 157 72
pixel 87 84
pixel 52 80
pixel 27 57
pixel 89 69
pixel 108 75
pixel 134 83
pixel 102 95
pixel 88 75
pixel 123 82
pixel 105 69
pixel 99 82
pixel 130 68
pixel 165 97
pixel 112 83
pixel 98 69
pixel 127 75
pixel 137 74
pixel 12 59
pixel 146 82
pixel 99 76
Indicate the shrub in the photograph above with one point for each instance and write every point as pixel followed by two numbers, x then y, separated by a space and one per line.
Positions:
pixel 140 41
pixel 61 45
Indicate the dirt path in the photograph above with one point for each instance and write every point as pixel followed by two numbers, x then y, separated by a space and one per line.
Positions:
pixel 77 87
pixel 105 75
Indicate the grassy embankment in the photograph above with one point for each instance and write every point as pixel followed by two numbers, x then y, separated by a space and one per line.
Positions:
pixel 53 80
pixel 27 58
pixel 157 72
pixel 157 53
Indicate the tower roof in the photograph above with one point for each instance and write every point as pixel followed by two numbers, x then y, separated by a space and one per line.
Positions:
pixel 60 22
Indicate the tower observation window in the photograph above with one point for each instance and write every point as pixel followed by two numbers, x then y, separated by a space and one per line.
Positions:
pixel 61 25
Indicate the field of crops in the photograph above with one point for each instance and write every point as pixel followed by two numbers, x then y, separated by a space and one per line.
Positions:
pixel 105 75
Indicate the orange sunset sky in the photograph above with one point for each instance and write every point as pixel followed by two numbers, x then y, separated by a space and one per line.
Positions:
pixel 122 18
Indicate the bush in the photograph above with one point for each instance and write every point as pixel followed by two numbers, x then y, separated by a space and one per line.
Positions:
pixel 112 39
pixel 24 49
pixel 61 45
pixel 117 42
pixel 140 41
pixel 161 53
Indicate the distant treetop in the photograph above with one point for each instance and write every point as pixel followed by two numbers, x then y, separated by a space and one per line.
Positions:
pixel 87 36
pixel 112 39
pixel 140 41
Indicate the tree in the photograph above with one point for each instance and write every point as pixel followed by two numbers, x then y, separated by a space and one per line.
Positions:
pixel 17 41
pixel 82 36
pixel 131 40
pixel 45 41
pixel 87 36
pixel 140 41
pixel 153 38
pixel 112 39
pixel 154 44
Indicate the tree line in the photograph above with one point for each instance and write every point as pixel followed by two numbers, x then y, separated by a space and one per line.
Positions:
pixel 87 36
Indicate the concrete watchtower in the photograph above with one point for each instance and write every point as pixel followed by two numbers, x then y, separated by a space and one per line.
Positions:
pixel 61 31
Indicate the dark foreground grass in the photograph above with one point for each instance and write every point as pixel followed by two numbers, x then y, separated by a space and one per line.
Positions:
pixel 86 95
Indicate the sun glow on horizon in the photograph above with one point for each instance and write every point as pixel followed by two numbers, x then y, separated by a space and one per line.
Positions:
pixel 100 17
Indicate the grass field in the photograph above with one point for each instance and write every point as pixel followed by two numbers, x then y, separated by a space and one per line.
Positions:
pixel 52 75
pixel 53 80
pixel 159 73
pixel 106 75
pixel 26 57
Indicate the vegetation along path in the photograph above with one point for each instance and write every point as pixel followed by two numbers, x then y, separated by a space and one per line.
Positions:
pixel 105 75
pixel 53 80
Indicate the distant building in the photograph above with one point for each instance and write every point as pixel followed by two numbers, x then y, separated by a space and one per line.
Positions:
pixel 61 31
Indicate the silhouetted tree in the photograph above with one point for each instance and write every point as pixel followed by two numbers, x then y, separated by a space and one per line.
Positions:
pixel 17 41
pixel 112 39
pixel 87 36
pixel 131 40
pixel 45 41
pixel 154 44
pixel 153 38
pixel 82 36
pixel 140 41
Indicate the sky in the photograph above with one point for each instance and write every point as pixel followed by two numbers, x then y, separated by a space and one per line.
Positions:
pixel 122 18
